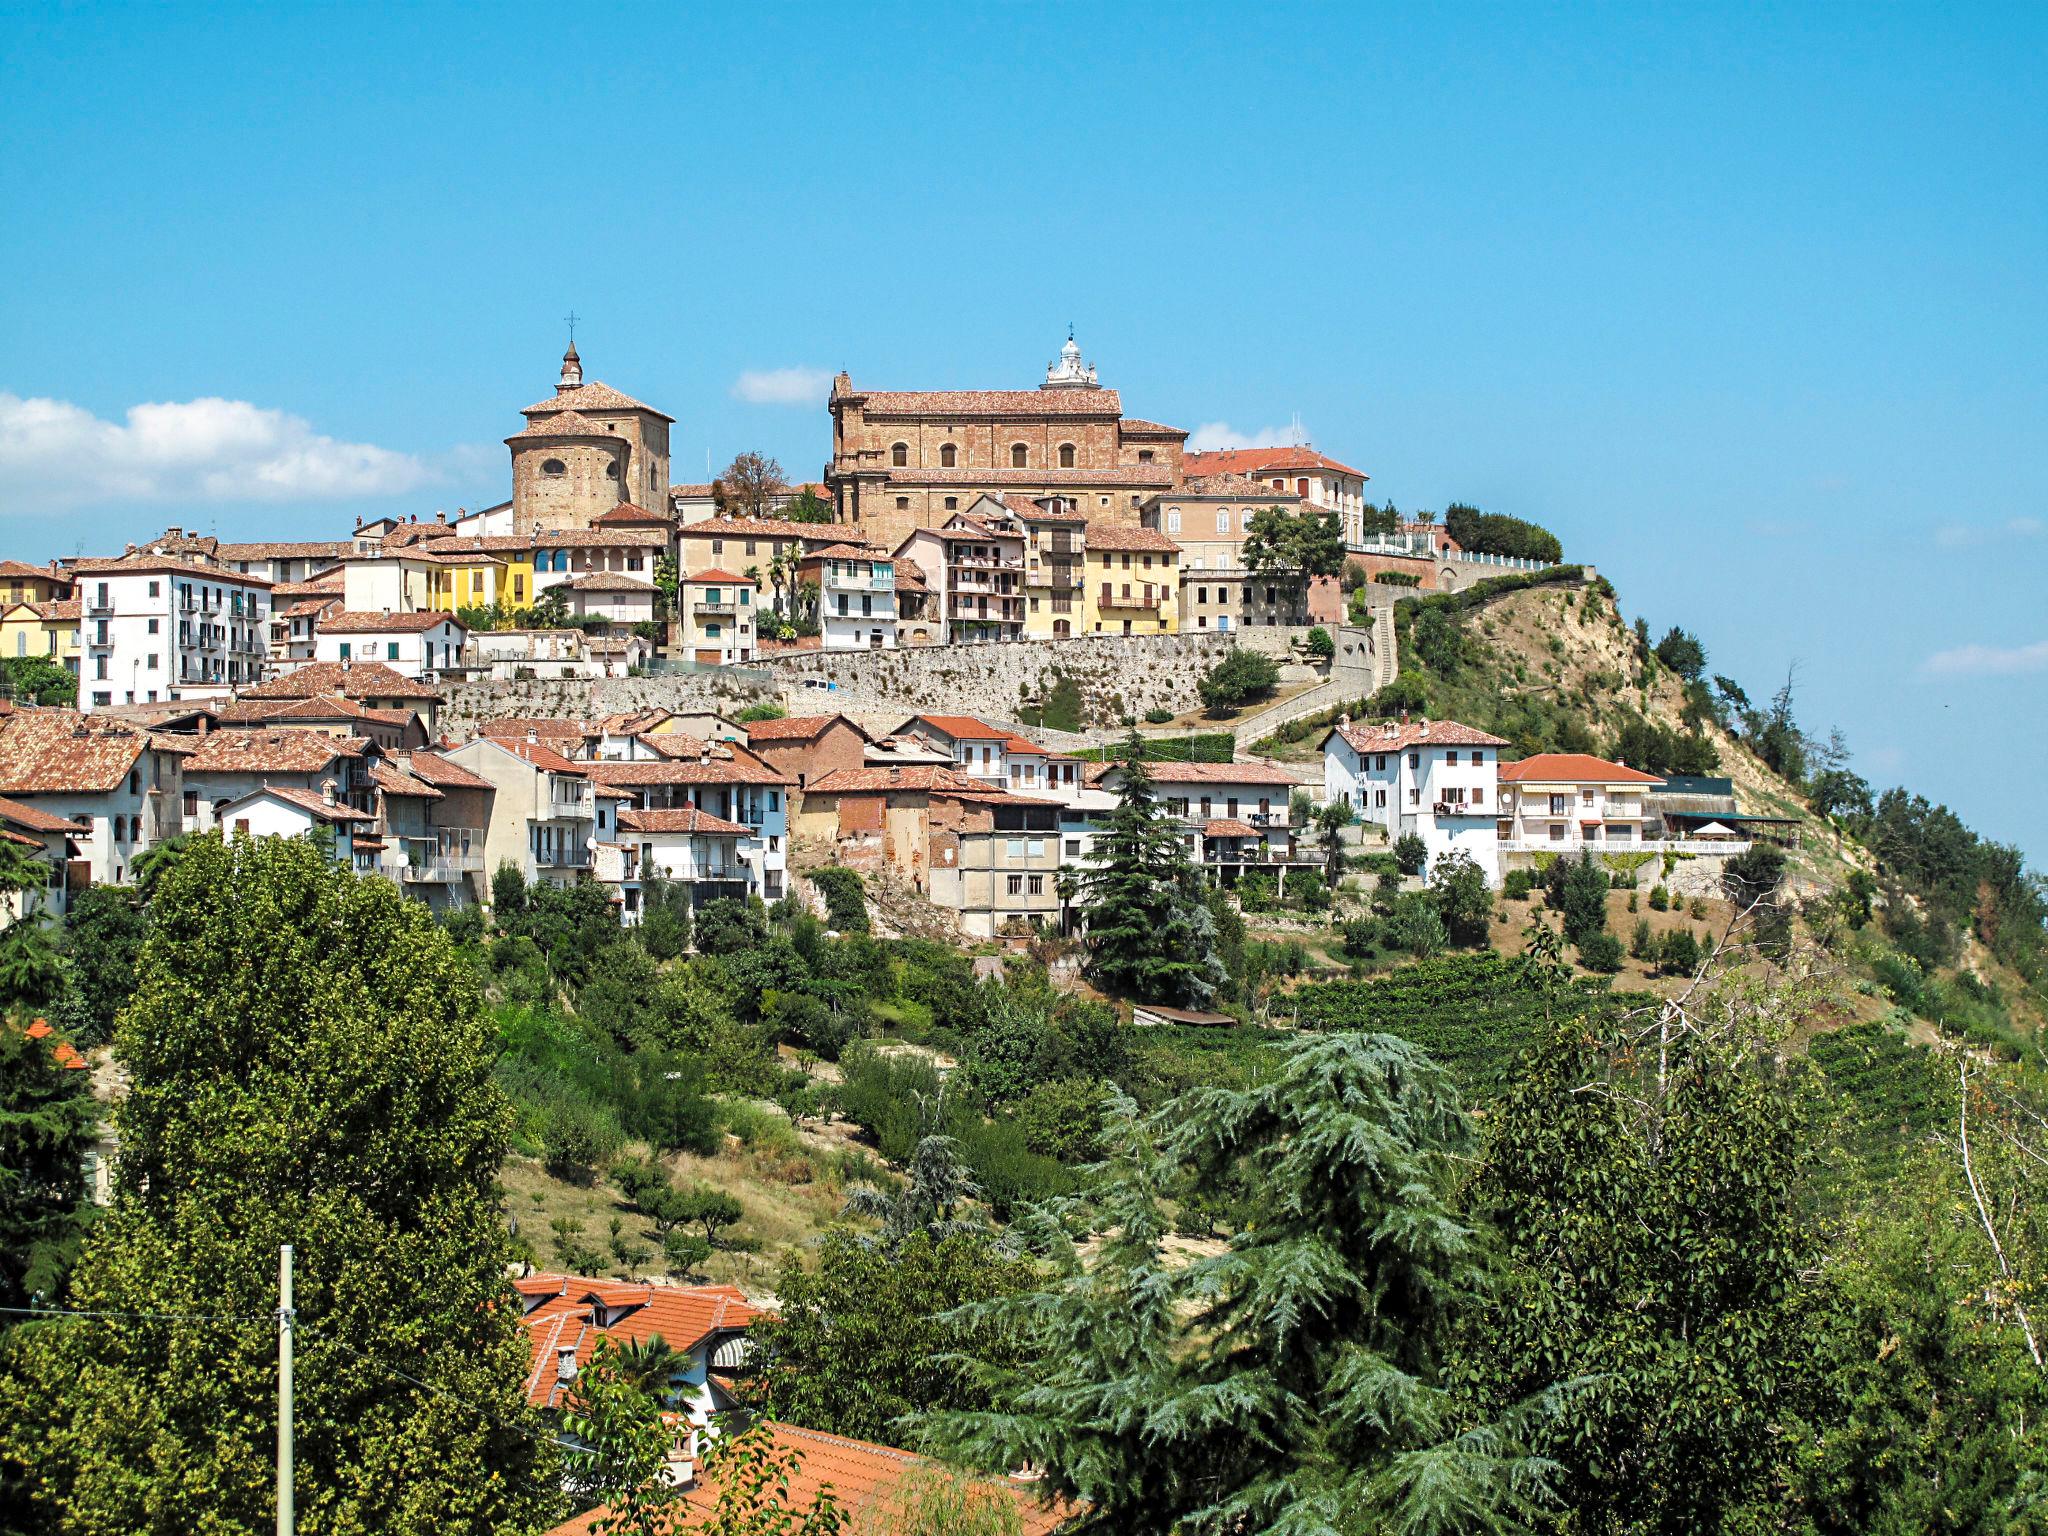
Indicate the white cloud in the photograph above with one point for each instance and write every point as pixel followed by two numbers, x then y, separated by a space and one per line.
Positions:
pixel 1211 435
pixel 1988 660
pixel 55 454
pixel 782 386
pixel 1972 535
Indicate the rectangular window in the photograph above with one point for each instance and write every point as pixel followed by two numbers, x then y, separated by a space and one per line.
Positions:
pixel 1016 847
pixel 152 626
pixel 391 650
pixel 347 650
pixel 1451 759
pixel 1016 885
pixel 1037 884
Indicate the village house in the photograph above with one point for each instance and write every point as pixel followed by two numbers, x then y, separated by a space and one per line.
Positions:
pixel 804 747
pixel 543 815
pixel 1436 779
pixel 372 684
pixel 282 810
pixel 123 784
pixel 723 779
pixel 46 627
pixel 53 840
pixel 152 627
pixel 976 573
pixel 1314 479
pixel 717 618
pixel 979 750
pixel 391 729
pixel 1054 533
pixel 1561 801
pixel 430 817
pixel 856 596
pixel 1209 519
pixel 226 765
pixel 764 550
pixel 1132 578
pixel 1235 817
pixel 417 644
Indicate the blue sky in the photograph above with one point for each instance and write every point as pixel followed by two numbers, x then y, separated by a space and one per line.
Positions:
pixel 1752 309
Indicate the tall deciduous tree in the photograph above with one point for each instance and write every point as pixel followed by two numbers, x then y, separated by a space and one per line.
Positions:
pixel 1291 1382
pixel 1149 934
pixel 309 1065
pixel 750 484
pixel 1309 542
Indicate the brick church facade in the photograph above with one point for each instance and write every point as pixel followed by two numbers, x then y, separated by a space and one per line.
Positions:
pixel 909 459
pixel 585 452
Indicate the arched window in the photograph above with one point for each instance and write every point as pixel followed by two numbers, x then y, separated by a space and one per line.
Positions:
pixel 611 471
pixel 1020 456
pixel 553 467
pixel 1066 455
pixel 900 455
pixel 948 456
pixel 1301 487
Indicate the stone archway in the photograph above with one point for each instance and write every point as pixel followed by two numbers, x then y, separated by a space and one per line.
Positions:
pixel 1447 579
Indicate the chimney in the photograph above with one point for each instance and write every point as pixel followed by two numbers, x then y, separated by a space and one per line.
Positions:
pixel 1344 719
pixel 327 792
pixel 895 774
pixel 533 738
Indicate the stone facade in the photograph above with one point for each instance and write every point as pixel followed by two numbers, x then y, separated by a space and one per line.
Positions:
pixel 907 459
pixel 584 453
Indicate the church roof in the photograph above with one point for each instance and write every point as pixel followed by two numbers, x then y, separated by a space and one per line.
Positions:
pixel 1248 461
pixel 1132 426
pixel 991 402
pixel 594 396
pixel 562 424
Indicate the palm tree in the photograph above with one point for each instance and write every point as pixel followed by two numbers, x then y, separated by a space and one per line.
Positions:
pixel 651 1365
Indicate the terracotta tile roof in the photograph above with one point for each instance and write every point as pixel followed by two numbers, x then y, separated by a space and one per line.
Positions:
pixel 1033 749
pixel 1396 735
pixel 626 512
pixel 927 777
pixel 67 611
pixel 687 820
pixel 631 723
pixel 352 680
pixel 910 576
pixel 794 728
pixel 322 707
pixel 63 1052
pixel 588 538
pixel 59 751
pixel 594 396
pixel 1157 475
pixel 867 1483
pixel 1206 773
pixel 726 770
pixel 19 570
pixel 308 607
pixel 434 769
pixel 715 575
pixel 247 751
pixel 1030 511
pixel 1229 487
pixel 762 528
pixel 149 565
pixel 543 726
pixel 15 814
pixel 846 552
pixel 961 727
pixel 309 800
pixel 1225 827
pixel 396 781
pixel 539 754
pixel 1132 426
pixel 562 424
pixel 1122 536
pixel 990 402
pixel 609 581
pixel 327 584
pixel 1571 768
pixel 693 491
pixel 309 549
pixel 348 622
pixel 1242 461
pixel 563 1315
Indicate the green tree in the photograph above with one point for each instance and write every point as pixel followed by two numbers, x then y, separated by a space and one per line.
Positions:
pixel 47 1117
pixel 1291 1382
pixel 863 1337
pixel 1463 898
pixel 33 977
pixel 42 680
pixel 729 925
pixel 1683 654
pixel 615 1416
pixel 1239 676
pixel 1410 853
pixel 102 937
pixel 1149 934
pixel 1330 823
pixel 1308 542
pixel 1582 898
pixel 309 1065
pixel 1652 1244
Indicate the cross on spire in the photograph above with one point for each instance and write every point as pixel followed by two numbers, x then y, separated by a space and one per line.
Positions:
pixel 572 317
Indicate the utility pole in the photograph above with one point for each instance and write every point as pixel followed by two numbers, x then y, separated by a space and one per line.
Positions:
pixel 286 1519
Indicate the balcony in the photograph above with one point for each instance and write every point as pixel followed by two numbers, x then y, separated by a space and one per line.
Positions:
pixel 1137 599
pixel 563 858
pixel 714 608
pixel 1459 808
pixel 861 581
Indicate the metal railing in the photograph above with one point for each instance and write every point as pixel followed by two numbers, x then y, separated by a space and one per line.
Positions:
pixel 1630 845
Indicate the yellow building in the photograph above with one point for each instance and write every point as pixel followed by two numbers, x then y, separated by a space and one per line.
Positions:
pixel 470 580
pixel 1131 581
pixel 41 629
pixel 21 583
pixel 1055 538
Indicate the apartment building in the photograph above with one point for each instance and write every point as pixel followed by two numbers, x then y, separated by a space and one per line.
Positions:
pixel 543 813
pixel 976 571
pixel 225 765
pixel 414 644
pixel 856 596
pixel 1235 817
pixel 978 750
pixel 153 628
pixel 123 784
pixel 1561 801
pixel 1436 779
pixel 1132 578
pixel 717 617
pixel 1209 519
pixel 725 780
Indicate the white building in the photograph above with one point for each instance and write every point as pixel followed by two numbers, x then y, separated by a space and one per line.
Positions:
pixel 611 595
pixel 543 814
pixel 279 810
pixel 411 644
pixel 1557 801
pixel 123 785
pixel 153 629
pixel 1434 778
pixel 856 596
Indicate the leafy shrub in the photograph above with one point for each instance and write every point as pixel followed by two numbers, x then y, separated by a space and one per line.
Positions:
pixel 1158 716
pixel 1660 899
pixel 1240 676
pixel 1679 955
pixel 1361 937
pixel 1410 853
pixel 1320 644
pixel 1600 952
pixel 1416 926
pixel 846 907
pixel 1517 883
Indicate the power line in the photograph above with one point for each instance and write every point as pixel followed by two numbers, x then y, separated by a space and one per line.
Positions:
pixel 64 1313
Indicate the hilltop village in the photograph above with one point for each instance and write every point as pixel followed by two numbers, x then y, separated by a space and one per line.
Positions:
pixel 775 1003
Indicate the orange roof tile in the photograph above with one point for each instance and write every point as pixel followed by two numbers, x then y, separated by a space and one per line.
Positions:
pixel 1396 735
pixel 962 727
pixel 794 728
pixel 351 680
pixel 357 623
pixel 688 820
pixel 255 751
pixel 572 1318
pixel 1572 768
pixel 594 396
pixel 1122 536
pixel 1245 461
pixel 58 751
pixel 436 770
pixel 919 776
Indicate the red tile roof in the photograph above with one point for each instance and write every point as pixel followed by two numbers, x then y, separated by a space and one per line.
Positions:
pixel 346 622
pixel 59 751
pixel 847 552
pixel 582 538
pixel 868 1483
pixel 728 769
pixel 542 726
pixel 310 549
pixel 794 728
pixel 1133 426
pixel 321 707
pixel 63 1052
pixel 961 727
pixel 926 777
pixel 308 800
pixel 761 528
pixel 1397 735
pixel 1121 536
pixel 396 781
pixel 687 819
pixel 726 578
pixel 610 581
pixel 150 565
pixel 352 680
pixel 626 512
pixel 594 396
pixel 539 754
pixel 959 403
pixel 1206 773
pixel 15 814
pixel 1224 827
pixel 1244 461
pixel 442 774
pixel 17 570
pixel 1572 768
pixel 564 1315
pixel 246 751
